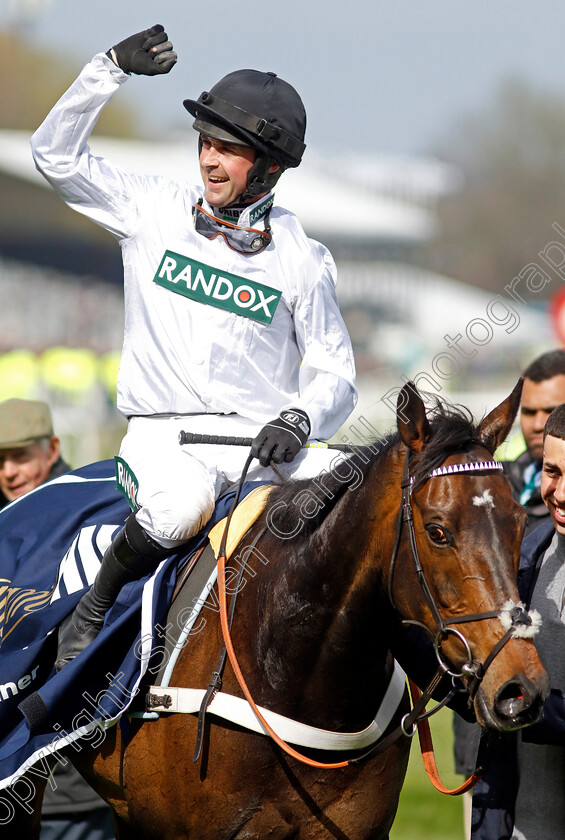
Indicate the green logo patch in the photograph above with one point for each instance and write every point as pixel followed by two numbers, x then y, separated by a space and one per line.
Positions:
pixel 126 482
pixel 205 284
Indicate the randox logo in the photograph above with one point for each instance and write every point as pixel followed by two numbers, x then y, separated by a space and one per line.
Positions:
pixel 201 282
pixel 126 482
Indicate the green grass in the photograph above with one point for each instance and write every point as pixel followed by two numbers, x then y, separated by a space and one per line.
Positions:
pixel 423 812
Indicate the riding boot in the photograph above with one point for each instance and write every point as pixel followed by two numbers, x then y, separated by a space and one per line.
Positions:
pixel 131 555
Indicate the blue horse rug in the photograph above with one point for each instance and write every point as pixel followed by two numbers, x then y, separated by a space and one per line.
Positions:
pixel 51 544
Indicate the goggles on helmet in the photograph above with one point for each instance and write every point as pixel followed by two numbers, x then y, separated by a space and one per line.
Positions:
pixel 244 240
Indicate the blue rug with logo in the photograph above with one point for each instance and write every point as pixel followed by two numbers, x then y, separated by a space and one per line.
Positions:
pixel 51 544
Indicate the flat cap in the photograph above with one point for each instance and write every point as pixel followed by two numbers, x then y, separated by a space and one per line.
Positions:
pixel 24 421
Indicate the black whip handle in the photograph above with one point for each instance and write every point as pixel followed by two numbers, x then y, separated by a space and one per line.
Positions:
pixel 221 440
pixel 230 440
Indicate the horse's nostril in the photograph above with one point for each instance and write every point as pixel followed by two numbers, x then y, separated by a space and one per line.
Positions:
pixel 514 703
pixel 511 707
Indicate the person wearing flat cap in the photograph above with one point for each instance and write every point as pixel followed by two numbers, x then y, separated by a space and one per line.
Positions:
pixel 29 450
pixel 29 456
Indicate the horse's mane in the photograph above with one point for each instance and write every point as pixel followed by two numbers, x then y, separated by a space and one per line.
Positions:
pixel 452 430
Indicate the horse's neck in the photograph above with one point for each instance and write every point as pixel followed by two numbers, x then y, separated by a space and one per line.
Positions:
pixel 321 618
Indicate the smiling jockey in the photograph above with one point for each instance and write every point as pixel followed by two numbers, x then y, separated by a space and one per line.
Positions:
pixel 232 325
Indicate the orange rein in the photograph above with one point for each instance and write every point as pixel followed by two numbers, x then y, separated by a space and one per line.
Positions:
pixel 424 733
pixel 428 757
pixel 241 680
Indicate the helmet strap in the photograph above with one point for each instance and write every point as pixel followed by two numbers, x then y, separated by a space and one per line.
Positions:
pixel 259 179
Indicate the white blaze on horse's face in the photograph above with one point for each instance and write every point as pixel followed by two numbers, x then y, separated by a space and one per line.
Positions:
pixel 485 500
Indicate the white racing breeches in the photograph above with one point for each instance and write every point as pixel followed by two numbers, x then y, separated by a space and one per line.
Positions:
pixel 178 485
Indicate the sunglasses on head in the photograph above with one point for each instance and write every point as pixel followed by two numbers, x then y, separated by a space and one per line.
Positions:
pixel 245 240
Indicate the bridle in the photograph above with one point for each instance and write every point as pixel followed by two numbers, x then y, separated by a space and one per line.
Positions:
pixel 518 616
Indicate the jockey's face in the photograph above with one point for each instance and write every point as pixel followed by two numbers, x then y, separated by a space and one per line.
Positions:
pixel 224 168
pixel 24 468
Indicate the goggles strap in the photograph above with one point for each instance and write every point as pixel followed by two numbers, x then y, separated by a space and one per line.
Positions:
pixel 259 179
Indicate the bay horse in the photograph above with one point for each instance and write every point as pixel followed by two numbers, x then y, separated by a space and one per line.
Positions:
pixel 430 536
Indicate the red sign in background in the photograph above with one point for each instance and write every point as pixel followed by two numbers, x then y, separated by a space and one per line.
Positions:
pixel 557 311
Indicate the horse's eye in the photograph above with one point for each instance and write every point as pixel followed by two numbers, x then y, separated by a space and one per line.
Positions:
pixel 437 534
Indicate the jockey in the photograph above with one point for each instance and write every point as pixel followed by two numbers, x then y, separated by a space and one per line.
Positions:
pixel 232 325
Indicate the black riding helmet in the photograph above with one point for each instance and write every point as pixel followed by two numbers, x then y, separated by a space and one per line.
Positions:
pixel 259 110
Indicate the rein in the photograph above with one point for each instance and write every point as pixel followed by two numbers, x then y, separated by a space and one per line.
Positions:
pixel 232 655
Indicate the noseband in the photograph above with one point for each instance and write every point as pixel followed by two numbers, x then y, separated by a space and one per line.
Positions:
pixel 514 615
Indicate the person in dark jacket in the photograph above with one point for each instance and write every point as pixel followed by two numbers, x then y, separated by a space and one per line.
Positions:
pixel 543 390
pixel 520 796
pixel 30 455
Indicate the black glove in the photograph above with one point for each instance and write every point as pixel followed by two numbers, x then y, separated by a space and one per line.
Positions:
pixel 281 439
pixel 148 53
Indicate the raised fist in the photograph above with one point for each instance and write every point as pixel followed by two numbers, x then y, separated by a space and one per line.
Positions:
pixel 147 53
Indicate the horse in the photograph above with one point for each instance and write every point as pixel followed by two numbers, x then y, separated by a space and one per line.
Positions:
pixel 423 541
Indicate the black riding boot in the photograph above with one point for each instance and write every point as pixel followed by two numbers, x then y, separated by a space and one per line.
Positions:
pixel 131 555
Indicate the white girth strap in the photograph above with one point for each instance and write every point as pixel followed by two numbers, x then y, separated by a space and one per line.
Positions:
pixel 237 710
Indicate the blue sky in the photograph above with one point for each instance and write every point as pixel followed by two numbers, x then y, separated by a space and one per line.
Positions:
pixel 375 76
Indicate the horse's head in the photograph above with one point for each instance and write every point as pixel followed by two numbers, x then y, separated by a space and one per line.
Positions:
pixel 459 565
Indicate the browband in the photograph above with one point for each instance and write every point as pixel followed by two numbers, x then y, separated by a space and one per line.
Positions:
pixel 471 466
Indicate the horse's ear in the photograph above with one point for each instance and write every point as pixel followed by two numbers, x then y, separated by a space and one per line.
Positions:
pixel 411 420
pixel 496 425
